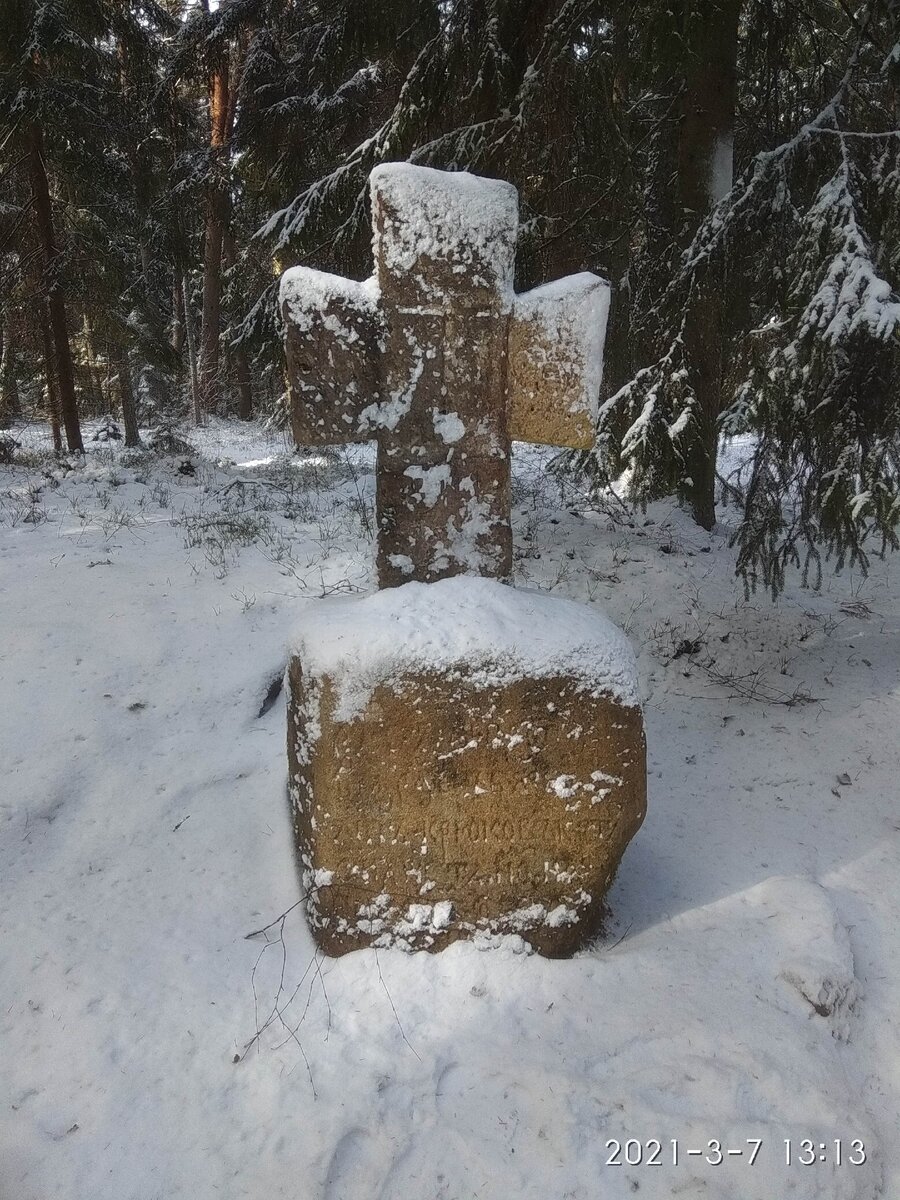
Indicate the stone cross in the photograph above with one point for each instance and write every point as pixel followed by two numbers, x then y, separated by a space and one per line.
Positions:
pixel 465 759
pixel 438 360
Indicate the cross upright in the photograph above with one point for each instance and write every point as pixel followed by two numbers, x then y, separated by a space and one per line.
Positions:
pixel 438 360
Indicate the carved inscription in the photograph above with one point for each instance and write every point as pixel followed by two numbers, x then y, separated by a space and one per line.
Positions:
pixel 440 809
pixel 447 835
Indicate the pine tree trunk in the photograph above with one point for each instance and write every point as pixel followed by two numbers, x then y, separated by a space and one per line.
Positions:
pixel 56 304
pixel 197 407
pixel 238 353
pixel 126 395
pixel 702 350
pixel 50 374
pixel 99 406
pixel 216 199
pixel 618 354
pixel 9 384
pixel 177 317
pixel 704 176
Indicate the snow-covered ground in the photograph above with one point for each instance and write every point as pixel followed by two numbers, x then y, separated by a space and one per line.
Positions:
pixel 748 988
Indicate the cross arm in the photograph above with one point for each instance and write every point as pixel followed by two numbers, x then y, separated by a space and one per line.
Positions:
pixel 555 363
pixel 333 339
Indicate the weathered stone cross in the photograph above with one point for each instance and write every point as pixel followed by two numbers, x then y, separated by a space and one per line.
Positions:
pixel 439 361
pixel 464 758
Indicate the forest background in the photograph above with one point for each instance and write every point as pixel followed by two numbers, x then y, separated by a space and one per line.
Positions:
pixel 732 168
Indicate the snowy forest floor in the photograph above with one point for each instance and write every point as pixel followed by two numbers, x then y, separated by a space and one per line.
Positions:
pixel 749 984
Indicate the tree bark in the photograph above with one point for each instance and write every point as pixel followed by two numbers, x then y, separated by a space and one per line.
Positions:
pixel 704 177
pixel 49 374
pixel 238 353
pixel 177 317
pixel 9 384
pixel 216 200
pixel 92 373
pixel 618 352
pixel 192 353
pixel 56 304
pixel 126 395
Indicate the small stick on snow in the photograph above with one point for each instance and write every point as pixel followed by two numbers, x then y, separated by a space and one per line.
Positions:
pixel 621 938
pixel 393 1008
pixel 265 928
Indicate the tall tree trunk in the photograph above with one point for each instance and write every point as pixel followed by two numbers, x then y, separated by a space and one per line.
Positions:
pixel 238 353
pixel 50 374
pixel 216 201
pixel 126 395
pixel 92 372
pixel 9 384
pixel 177 317
pixel 42 322
pixel 704 177
pixel 192 353
pixel 56 303
pixel 140 164
pixel 618 352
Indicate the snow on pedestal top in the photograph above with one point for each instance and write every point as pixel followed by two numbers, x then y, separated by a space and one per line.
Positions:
pixel 304 292
pixel 445 215
pixel 492 634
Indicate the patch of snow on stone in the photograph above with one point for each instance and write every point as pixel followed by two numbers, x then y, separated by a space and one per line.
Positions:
pixel 304 293
pixel 561 915
pixel 387 414
pixel 448 427
pixel 475 522
pixel 433 481
pixel 489 633
pixel 419 915
pixel 451 215
pixel 564 786
pixel 402 562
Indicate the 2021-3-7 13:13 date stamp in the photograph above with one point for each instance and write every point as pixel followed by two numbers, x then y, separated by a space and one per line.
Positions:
pixel 793 1152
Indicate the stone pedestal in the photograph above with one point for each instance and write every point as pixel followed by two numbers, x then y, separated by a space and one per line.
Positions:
pixel 465 759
